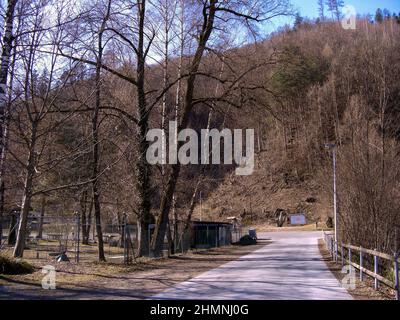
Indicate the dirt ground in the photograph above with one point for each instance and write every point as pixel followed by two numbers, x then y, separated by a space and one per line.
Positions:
pixel 141 280
pixel 273 228
pixel 364 290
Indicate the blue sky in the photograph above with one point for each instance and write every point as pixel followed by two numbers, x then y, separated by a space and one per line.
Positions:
pixel 309 8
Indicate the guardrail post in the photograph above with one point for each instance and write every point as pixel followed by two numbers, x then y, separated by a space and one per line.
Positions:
pixel 350 260
pixel 396 276
pixel 376 271
pixel 333 254
pixel 361 265
pixel 336 251
pixel 342 254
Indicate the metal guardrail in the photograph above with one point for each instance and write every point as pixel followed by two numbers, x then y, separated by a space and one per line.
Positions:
pixel 338 250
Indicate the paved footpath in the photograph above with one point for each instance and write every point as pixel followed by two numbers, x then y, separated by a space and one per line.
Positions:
pixel 289 268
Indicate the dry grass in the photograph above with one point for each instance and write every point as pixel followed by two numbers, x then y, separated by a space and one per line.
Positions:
pixel 87 253
pixel 271 228
pixel 142 279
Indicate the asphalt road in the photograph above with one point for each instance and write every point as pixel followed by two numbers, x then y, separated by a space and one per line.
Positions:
pixel 289 268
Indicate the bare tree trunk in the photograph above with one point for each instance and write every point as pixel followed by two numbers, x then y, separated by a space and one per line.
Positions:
pixel 175 220
pixel 142 167
pixel 171 246
pixel 27 197
pixel 178 99
pixel 95 169
pixel 85 216
pixel 4 68
pixel 122 221
pixel 42 210
pixel 95 139
pixel 165 81
pixel 12 234
pixel 191 207
pixel 89 222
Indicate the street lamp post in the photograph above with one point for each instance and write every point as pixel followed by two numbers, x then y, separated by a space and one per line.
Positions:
pixel 333 148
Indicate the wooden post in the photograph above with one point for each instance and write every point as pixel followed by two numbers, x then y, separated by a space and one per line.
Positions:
pixel 336 251
pixel 342 254
pixel 350 260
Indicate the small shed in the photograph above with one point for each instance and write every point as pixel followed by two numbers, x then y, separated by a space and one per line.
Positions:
pixel 207 234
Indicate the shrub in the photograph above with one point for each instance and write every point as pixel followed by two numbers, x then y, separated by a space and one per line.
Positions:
pixel 9 265
pixel 247 241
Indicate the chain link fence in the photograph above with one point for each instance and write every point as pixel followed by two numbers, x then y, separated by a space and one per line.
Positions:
pixel 58 237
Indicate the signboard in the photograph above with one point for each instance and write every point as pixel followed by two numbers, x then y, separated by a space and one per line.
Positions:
pixel 298 219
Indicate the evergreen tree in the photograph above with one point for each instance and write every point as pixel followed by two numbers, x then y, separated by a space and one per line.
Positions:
pixel 329 4
pixel 387 14
pixel 298 21
pixel 339 4
pixel 321 9
pixel 335 7
pixel 379 15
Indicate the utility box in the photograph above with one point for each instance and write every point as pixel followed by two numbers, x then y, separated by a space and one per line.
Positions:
pixel 253 233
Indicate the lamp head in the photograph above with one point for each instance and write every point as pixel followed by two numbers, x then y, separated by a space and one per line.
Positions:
pixel 329 145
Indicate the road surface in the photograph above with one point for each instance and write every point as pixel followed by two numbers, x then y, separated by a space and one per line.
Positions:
pixel 289 268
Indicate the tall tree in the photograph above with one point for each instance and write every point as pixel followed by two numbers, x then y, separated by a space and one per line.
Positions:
pixel 387 14
pixel 321 9
pixel 4 71
pixel 39 96
pixel 95 130
pixel 261 11
pixel 335 7
pixel 298 21
pixel 379 15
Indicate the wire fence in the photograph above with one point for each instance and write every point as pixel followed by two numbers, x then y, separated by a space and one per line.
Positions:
pixel 67 238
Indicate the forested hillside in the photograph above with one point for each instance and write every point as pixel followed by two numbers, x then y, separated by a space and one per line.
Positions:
pixel 329 85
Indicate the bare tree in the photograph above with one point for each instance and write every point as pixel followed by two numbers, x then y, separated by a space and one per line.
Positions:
pixel 95 135
pixel 211 11
pixel 321 9
pixel 38 97
pixel 4 71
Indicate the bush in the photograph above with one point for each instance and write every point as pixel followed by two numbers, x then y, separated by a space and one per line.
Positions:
pixel 247 241
pixel 9 265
